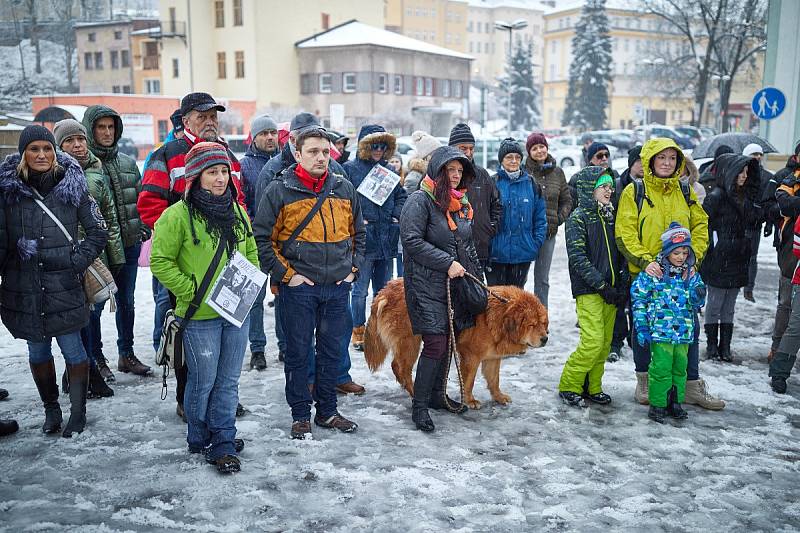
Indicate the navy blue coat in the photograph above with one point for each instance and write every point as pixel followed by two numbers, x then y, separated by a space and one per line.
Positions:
pixel 382 222
pixel 252 163
pixel 524 224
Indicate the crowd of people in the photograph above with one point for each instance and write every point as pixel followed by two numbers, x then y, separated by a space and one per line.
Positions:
pixel 649 250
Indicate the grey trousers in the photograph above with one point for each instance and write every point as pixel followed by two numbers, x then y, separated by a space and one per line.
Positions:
pixel 785 357
pixel 720 304
pixel 783 311
pixel 541 270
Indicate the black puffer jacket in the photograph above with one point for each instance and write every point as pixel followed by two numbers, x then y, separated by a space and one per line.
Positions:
pixel 487 210
pixel 731 216
pixel 430 247
pixel 41 293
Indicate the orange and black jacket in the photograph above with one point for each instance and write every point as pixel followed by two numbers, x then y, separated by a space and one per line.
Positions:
pixel 332 244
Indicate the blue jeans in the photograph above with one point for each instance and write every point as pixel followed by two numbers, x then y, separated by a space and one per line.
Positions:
pixel 279 335
pixel 70 344
pixel 344 363
pixel 126 286
pixel 161 299
pixel 214 353
pixel 92 336
pixel 258 339
pixel 399 263
pixel 313 311
pixel 378 271
pixel 641 354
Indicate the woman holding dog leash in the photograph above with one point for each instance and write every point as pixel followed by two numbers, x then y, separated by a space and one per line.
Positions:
pixel 436 232
pixel 207 227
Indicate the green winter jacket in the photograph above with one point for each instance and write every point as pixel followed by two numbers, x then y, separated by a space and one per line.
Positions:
pixel 180 265
pixel 126 180
pixel 100 189
pixel 638 233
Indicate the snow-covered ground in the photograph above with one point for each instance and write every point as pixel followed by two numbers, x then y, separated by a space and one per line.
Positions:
pixel 534 465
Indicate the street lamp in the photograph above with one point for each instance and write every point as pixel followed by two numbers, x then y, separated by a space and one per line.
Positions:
pixel 721 119
pixel 510 27
pixel 650 63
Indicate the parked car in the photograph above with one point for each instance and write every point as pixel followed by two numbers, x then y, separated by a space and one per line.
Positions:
pixel 237 145
pixel 127 147
pixel 643 133
pixel 708 131
pixel 612 138
pixel 690 131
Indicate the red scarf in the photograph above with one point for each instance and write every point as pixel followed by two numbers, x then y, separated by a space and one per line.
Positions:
pixel 458 202
pixel 310 182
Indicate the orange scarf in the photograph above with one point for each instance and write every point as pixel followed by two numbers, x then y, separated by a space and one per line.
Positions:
pixel 458 202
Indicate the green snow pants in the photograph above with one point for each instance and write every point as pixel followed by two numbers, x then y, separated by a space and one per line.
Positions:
pixel 667 368
pixel 596 319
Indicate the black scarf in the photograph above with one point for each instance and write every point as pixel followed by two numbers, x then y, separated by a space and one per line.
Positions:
pixel 44 182
pixel 218 214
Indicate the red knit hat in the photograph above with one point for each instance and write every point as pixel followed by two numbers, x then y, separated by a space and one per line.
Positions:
pixel 202 156
pixel 535 138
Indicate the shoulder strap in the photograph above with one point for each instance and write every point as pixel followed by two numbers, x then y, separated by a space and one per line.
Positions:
pixel 686 190
pixel 194 305
pixel 638 194
pixel 55 219
pixel 313 211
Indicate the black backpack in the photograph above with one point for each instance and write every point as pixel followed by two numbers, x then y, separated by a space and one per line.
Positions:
pixel 640 195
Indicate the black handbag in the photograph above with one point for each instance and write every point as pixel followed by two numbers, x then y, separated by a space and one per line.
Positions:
pixel 469 298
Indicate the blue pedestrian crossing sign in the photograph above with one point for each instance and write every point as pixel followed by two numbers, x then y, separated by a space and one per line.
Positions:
pixel 768 103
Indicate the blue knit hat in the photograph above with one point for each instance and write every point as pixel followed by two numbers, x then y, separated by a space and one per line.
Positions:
pixel 369 129
pixel 593 149
pixel 675 237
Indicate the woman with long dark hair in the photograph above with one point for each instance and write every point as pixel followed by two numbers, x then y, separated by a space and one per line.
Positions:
pixel 436 232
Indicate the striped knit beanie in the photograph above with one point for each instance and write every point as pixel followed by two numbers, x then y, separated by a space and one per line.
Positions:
pixel 202 156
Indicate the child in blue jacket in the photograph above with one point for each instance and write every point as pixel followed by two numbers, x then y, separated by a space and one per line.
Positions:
pixel 663 312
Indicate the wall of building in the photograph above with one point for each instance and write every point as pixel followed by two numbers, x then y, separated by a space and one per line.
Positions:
pixel 440 22
pixel 104 43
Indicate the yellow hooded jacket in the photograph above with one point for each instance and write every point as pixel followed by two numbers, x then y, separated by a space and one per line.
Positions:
pixel 638 234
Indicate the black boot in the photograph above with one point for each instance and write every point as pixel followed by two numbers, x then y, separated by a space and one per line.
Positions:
pixel 64 383
pixel 427 369
pixel 440 399
pixel 725 336
pixel 657 414
pixel 79 385
pixel 674 409
pixel 44 375
pixel 712 341
pixel 97 385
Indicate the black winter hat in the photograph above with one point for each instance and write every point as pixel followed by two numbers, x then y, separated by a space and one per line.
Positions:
pixel 634 154
pixel 722 149
pixel 200 102
pixel 593 149
pixel 177 120
pixel 509 146
pixel 461 134
pixel 32 133
pixel 303 120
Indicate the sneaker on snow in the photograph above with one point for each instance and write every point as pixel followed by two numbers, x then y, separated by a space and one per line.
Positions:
pixel 778 385
pixel 336 421
pixel 572 399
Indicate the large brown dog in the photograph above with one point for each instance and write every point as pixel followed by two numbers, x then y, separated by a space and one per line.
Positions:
pixel 505 329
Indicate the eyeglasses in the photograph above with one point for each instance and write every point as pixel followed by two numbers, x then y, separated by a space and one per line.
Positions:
pixel 601 155
pixel 607 187
pixel 379 146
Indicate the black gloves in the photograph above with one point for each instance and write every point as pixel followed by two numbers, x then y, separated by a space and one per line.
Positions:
pixel 609 294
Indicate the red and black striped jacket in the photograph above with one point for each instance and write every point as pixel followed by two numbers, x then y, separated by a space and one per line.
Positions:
pixel 163 183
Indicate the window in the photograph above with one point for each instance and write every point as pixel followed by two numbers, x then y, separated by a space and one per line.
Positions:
pixel 114 59
pixel 398 84
pixel 420 87
pixel 163 130
pixel 98 60
pixel 237 13
pixel 326 21
pixel 152 86
pixel 478 27
pixel 87 61
pixel 176 67
pixel 446 88
pixel 125 56
pixel 552 93
pixel 383 83
pixel 433 11
pixel 553 46
pixel 471 50
pixel 552 71
pixel 349 82
pixel 172 20
pixel 485 48
pixel 457 89
pixel 126 89
pixel 92 37
pixel 409 12
pixel 221 74
pixel 118 35
pixel 485 27
pixel 469 26
pixel 325 83
pixel 115 89
pixel 219 13
pixel 239 63
pixel 428 86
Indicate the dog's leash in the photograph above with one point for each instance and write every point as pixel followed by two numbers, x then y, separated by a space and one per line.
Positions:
pixel 453 352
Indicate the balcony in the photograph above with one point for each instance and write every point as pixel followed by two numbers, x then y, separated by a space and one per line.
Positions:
pixel 164 29
pixel 150 63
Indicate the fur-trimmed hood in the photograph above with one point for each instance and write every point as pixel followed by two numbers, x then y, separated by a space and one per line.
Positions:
pixel 691 171
pixel 418 165
pixel 375 134
pixel 69 190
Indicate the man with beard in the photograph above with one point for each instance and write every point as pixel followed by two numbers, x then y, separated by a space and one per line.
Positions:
pixel 163 185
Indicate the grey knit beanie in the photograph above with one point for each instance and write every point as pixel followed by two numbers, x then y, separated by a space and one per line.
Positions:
pixel 262 123
pixel 67 128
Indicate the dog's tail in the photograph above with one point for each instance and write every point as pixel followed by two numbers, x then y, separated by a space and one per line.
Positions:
pixel 375 349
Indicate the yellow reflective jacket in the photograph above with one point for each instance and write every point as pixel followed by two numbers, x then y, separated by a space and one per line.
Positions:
pixel 638 233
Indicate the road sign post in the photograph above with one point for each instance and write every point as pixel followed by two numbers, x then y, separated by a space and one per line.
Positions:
pixel 768 103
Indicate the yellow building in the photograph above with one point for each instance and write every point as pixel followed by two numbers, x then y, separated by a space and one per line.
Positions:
pixel 439 22
pixel 246 48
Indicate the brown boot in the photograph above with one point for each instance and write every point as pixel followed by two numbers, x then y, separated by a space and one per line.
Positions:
pixel 350 388
pixel 358 338
pixel 44 375
pixel 78 388
pixel 129 363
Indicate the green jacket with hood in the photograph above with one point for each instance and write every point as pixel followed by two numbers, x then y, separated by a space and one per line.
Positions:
pixel 638 233
pixel 124 175
pixel 100 189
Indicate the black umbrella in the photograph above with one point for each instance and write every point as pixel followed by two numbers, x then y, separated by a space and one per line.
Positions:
pixel 737 141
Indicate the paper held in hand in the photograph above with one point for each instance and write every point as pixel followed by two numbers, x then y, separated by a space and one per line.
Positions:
pixel 236 289
pixel 378 184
